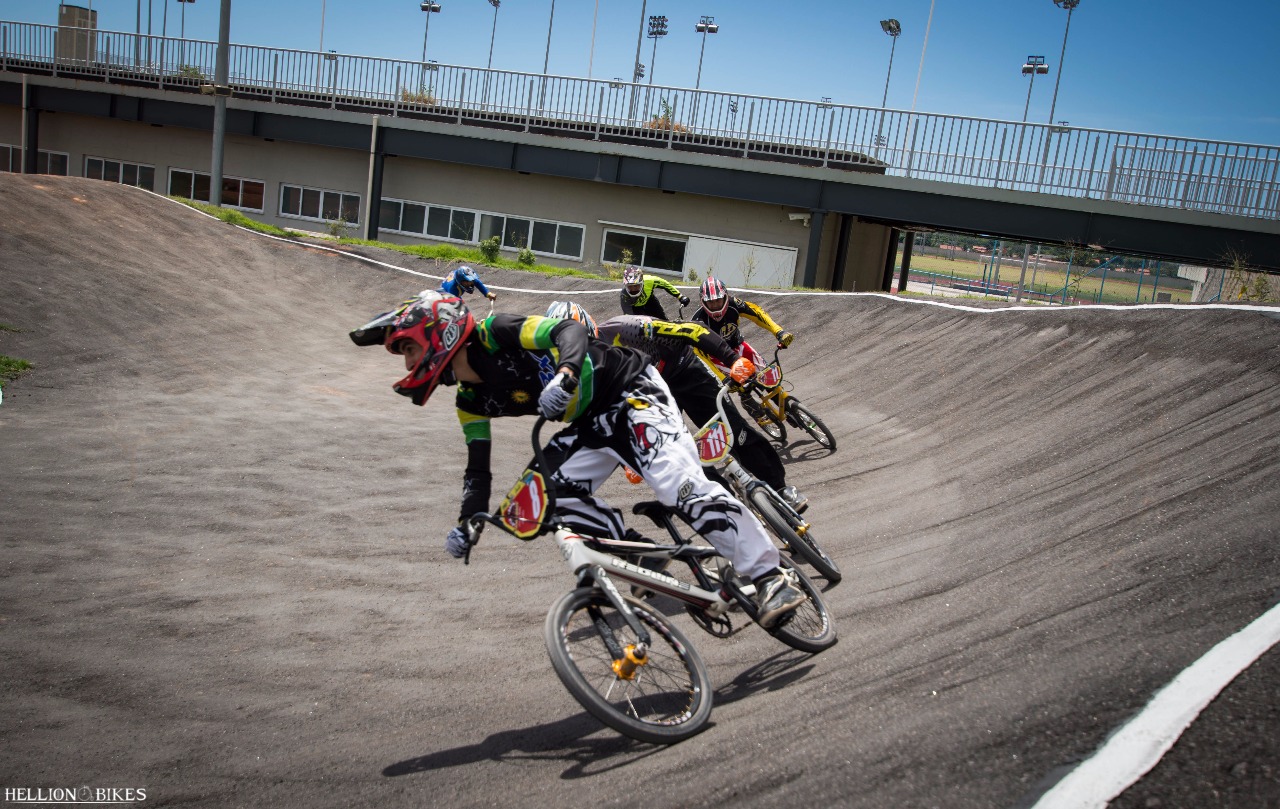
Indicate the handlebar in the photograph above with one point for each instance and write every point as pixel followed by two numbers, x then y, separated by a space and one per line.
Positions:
pixel 474 524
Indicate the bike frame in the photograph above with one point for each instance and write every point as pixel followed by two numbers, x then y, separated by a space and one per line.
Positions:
pixel 717 430
pixel 772 397
pixel 523 514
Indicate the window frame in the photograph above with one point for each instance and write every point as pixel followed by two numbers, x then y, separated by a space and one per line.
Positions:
pixel 242 180
pixel 477 215
pixel 42 160
pixel 321 207
pixel 120 172
pixel 664 235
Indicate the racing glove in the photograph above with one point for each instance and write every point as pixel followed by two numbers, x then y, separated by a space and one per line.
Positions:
pixel 742 370
pixel 784 337
pixel 555 397
pixel 684 300
pixel 493 296
pixel 456 543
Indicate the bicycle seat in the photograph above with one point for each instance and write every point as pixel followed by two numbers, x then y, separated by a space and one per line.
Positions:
pixel 651 509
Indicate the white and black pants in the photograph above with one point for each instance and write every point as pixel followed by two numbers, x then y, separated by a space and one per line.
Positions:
pixel 646 431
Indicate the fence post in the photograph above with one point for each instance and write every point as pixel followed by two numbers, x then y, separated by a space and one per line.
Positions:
pixel 671 130
pixel 107 67
pixel 1004 135
pixel 333 83
pixel 275 75
pixel 4 47
pixel 1093 165
pixel 395 95
pixel 528 108
pixel 462 91
pixel 746 134
pixel 599 112
pixel 911 155
pixel 160 83
pixel 826 154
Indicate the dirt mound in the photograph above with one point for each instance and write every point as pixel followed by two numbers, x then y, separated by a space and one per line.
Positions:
pixel 225 580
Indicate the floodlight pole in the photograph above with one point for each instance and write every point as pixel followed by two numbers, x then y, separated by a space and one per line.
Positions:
pixel 1070 6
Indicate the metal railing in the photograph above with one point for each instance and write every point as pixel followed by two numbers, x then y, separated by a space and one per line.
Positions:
pixel 1157 170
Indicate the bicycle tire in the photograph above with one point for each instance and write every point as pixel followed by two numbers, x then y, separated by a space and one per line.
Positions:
pixel 768 423
pixel 669 698
pixel 810 627
pixel 804 418
pixel 802 545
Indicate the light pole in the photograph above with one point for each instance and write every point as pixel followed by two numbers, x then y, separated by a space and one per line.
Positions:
pixel 1034 65
pixel 706 25
pixel 428 8
pixel 657 30
pixel 893 28
pixel 492 34
pixel 636 69
pixel 182 33
pixel 320 62
pixel 546 59
pixel 1070 6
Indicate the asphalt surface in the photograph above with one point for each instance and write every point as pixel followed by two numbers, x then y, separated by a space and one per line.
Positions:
pixel 224 578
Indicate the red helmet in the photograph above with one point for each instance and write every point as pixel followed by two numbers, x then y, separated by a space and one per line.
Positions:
pixel 440 324
pixel 715 298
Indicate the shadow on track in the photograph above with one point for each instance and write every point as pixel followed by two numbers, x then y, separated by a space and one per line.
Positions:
pixel 566 739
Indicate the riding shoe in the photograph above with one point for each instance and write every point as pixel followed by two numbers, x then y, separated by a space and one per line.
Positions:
pixel 777 594
pixel 794 499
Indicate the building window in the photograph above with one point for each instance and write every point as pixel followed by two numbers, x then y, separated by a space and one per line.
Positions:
pixel 237 192
pixel 562 239
pixel 650 252
pixel 46 162
pixel 117 171
pixel 319 204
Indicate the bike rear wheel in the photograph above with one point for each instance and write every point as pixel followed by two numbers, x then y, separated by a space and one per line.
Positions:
pixel 810 627
pixel 763 417
pixel 803 418
pixel 666 700
pixel 800 544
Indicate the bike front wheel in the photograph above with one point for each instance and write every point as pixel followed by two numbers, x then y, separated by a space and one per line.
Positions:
pixel 800 544
pixel 803 417
pixel 764 417
pixel 666 699
pixel 810 627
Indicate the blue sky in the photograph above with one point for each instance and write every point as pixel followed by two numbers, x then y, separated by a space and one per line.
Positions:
pixel 1177 67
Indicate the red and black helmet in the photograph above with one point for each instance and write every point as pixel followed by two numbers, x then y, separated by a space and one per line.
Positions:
pixel 715 298
pixel 440 324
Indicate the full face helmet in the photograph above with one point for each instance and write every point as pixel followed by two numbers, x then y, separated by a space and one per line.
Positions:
pixel 467 278
pixel 568 310
pixel 715 298
pixel 632 279
pixel 440 324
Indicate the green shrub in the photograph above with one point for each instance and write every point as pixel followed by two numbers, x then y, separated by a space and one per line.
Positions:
pixel 489 249
pixel 525 257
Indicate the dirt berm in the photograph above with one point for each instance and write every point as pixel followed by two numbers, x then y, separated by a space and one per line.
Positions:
pixel 224 579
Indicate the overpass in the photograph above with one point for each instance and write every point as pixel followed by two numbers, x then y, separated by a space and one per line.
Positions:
pixel 836 167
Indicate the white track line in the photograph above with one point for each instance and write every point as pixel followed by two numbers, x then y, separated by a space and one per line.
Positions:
pixel 1139 744
pixel 1194 307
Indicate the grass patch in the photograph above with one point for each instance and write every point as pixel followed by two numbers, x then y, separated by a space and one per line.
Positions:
pixel 234 217
pixel 449 252
pixel 11 367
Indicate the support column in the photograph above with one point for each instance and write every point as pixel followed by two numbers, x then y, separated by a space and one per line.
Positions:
pixel 30 130
pixel 908 243
pixel 373 189
pixel 842 252
pixel 890 261
pixel 817 219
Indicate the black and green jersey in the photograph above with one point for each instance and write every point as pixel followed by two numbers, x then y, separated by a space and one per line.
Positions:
pixel 646 303
pixel 516 357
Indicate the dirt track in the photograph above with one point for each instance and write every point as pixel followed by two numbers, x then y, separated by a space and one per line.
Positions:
pixel 225 581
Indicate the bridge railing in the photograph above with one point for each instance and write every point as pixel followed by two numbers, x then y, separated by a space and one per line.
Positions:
pixel 1158 170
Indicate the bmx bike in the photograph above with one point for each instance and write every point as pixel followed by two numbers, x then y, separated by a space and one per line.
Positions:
pixel 619 656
